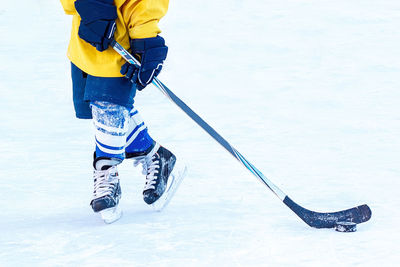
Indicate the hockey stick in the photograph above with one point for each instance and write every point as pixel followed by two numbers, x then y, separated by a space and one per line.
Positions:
pixel 314 219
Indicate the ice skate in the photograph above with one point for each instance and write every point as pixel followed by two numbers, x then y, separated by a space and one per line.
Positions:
pixel 107 190
pixel 164 173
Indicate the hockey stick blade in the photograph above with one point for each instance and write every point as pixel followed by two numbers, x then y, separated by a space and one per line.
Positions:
pixel 314 219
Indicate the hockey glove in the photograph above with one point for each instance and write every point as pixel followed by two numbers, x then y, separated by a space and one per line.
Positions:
pixel 97 22
pixel 151 52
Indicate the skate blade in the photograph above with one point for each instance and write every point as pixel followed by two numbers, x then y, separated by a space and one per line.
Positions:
pixel 111 215
pixel 175 179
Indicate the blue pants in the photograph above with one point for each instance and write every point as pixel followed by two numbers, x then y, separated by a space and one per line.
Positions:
pixel 88 88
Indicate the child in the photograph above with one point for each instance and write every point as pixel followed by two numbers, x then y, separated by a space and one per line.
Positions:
pixel 103 94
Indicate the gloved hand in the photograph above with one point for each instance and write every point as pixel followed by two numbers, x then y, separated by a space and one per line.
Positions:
pixel 97 22
pixel 151 52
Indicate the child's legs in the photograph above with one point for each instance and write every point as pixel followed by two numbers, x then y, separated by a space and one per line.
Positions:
pixel 111 98
pixel 116 129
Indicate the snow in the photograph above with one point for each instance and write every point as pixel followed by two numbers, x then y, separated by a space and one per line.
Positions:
pixel 307 90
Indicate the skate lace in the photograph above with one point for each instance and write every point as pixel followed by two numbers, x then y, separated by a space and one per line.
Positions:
pixel 105 182
pixel 150 169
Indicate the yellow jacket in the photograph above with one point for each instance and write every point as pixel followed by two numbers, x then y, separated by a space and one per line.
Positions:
pixel 136 19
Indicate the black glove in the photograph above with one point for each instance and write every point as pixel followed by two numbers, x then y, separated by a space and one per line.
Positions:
pixel 97 22
pixel 151 52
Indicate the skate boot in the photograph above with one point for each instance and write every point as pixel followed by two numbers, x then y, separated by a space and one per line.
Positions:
pixel 107 190
pixel 163 176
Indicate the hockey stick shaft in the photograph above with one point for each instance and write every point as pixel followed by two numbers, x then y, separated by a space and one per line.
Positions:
pixel 206 127
pixel 357 214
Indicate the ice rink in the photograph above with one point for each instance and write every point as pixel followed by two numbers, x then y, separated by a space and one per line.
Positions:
pixel 308 91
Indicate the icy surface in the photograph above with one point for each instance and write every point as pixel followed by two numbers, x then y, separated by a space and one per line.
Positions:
pixel 307 90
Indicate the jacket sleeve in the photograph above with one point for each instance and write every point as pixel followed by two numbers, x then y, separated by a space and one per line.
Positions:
pixel 69 7
pixel 142 16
